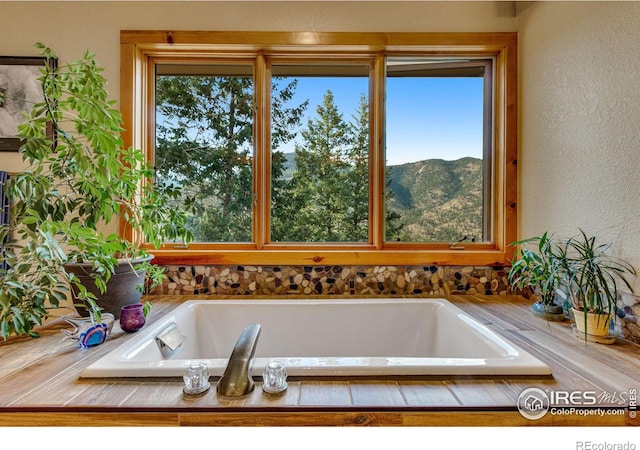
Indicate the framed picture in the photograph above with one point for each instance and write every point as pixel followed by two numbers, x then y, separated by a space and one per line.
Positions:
pixel 20 89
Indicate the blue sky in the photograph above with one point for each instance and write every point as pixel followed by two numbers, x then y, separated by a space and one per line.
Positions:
pixel 426 117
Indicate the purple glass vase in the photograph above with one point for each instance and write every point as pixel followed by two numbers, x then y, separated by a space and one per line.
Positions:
pixel 132 318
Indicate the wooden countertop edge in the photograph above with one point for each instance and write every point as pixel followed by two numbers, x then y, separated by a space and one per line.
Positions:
pixel 366 417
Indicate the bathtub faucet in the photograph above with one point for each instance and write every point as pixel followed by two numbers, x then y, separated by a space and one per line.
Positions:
pixel 236 380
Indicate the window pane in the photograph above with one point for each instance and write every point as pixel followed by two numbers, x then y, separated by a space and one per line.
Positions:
pixel 204 144
pixel 436 126
pixel 320 153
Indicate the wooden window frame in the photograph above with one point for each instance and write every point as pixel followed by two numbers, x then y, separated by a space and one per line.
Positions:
pixel 140 50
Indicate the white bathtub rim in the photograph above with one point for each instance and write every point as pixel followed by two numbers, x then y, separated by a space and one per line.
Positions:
pixel 338 367
pixel 514 362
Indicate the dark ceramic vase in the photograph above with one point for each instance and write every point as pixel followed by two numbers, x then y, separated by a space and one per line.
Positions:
pixel 123 288
pixel 132 318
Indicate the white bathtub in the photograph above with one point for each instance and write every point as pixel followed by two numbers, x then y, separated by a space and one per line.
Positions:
pixel 340 337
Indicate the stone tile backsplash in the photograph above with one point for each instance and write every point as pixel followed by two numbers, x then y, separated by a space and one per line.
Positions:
pixel 629 317
pixel 359 280
pixel 333 280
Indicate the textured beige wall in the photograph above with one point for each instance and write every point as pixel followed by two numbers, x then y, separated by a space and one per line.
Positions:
pixel 579 87
pixel 72 27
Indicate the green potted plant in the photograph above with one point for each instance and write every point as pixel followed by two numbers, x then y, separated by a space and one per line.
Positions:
pixel 594 280
pixel 79 181
pixel 541 268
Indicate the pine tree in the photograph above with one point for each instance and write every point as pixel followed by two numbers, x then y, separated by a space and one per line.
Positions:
pixel 358 181
pixel 357 177
pixel 319 189
pixel 205 144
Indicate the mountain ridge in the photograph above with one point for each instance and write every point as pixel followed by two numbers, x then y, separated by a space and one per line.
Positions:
pixel 438 200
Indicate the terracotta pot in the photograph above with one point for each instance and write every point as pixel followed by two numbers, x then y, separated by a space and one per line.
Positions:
pixel 596 324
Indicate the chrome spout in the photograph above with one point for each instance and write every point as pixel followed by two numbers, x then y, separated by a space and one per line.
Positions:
pixel 170 340
pixel 236 380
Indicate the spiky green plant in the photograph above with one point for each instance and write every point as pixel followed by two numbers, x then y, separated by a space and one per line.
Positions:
pixel 540 264
pixel 595 275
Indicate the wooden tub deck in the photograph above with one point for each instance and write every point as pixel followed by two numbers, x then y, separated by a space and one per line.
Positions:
pixel 40 384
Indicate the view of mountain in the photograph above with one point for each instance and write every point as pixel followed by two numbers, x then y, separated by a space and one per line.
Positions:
pixel 437 200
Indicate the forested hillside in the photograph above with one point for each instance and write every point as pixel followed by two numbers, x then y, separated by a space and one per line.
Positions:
pixel 437 200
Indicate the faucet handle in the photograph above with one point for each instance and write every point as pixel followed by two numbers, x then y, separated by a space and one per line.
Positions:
pixel 274 378
pixel 196 379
